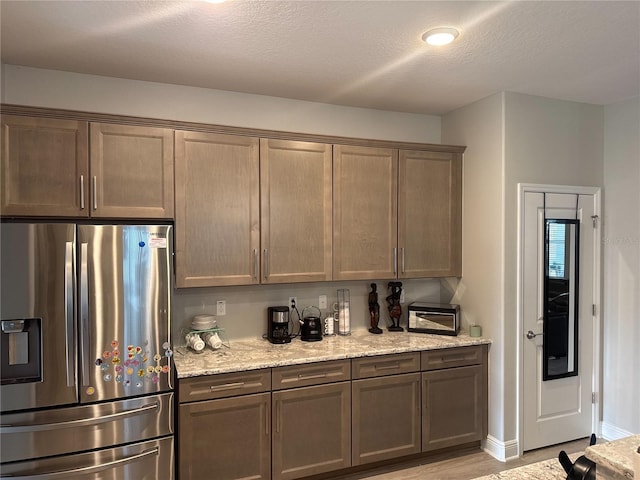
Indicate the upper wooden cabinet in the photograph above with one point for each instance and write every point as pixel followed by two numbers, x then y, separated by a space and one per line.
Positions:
pixel 430 214
pixel 53 167
pixel 295 211
pixel 45 167
pixel 365 186
pixel 131 171
pixel 217 210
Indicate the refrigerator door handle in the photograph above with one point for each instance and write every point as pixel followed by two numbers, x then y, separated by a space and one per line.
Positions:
pixel 68 314
pixel 84 314
pixel 72 472
pixel 28 428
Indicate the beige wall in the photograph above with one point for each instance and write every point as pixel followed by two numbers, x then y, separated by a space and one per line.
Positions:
pixel 621 252
pixel 91 93
pixel 513 138
pixel 547 142
pixel 479 291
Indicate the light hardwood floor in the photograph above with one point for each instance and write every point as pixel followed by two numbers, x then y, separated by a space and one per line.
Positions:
pixel 462 466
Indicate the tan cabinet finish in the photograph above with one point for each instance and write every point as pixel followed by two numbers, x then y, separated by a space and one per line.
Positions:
pixel 312 430
pixel 364 213
pixel 224 385
pixel 380 365
pixel 454 396
pixel 430 214
pixel 306 375
pixel 296 199
pixel 44 167
pixel 386 417
pixel 226 439
pixel 131 171
pixel 217 210
pixel 64 168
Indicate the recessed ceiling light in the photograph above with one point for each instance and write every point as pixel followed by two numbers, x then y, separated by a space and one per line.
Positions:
pixel 440 36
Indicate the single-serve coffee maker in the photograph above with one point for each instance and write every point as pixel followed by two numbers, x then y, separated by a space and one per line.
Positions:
pixel 278 325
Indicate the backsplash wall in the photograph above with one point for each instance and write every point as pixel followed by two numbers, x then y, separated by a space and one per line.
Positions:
pixel 246 306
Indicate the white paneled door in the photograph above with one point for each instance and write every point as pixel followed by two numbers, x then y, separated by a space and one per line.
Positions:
pixel 558 314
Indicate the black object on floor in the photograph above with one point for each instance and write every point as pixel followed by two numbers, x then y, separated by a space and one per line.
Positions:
pixel 583 468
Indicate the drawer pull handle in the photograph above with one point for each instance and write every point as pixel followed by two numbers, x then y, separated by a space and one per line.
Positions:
pixel 311 376
pixel 226 386
pixel 395 366
pixel 454 359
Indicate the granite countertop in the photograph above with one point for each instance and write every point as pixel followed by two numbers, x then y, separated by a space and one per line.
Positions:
pixel 545 470
pixel 253 354
pixel 616 457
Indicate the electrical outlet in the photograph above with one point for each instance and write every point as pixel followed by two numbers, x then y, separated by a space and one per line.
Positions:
pixel 322 302
pixel 293 302
pixel 221 308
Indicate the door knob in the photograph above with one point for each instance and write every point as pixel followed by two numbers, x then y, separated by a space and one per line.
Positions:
pixel 531 335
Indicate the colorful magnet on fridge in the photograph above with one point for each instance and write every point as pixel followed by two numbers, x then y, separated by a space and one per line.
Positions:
pixel 157 357
pixel 106 354
pixel 107 377
pixel 165 369
pixel 114 344
pixel 90 391
pixel 98 362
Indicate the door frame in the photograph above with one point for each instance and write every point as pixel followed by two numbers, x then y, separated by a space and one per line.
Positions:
pixel 524 188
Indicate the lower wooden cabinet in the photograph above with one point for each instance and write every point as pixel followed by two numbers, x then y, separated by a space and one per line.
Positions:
pixel 226 439
pixel 454 396
pixel 296 421
pixel 312 430
pixel 386 418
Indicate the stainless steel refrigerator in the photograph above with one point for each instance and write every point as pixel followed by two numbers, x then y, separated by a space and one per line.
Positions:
pixel 85 359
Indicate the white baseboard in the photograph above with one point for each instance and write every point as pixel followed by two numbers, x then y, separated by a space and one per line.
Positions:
pixel 499 450
pixel 610 432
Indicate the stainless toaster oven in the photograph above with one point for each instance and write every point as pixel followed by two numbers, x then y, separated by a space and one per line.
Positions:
pixel 434 318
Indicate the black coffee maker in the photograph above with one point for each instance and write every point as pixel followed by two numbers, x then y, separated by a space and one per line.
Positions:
pixel 278 325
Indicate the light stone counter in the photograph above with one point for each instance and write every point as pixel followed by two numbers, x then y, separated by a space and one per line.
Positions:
pixel 259 353
pixel 545 470
pixel 614 460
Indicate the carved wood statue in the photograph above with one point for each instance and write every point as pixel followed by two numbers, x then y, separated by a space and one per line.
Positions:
pixel 395 309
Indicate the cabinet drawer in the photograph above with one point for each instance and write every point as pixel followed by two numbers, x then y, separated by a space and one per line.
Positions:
pixel 380 365
pixel 293 376
pixel 224 385
pixel 452 357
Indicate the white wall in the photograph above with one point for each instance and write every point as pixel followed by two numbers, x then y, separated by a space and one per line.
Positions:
pixel 479 291
pixel 512 138
pixel 621 252
pixel 91 93
pixel 246 306
pixel 548 142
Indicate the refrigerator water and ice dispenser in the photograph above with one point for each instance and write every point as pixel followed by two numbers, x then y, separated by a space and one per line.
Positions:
pixel 20 355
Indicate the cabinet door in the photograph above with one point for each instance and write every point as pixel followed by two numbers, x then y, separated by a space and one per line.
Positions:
pixel 217 210
pixel 386 418
pixel 295 191
pixel 44 167
pixel 131 171
pixel 452 407
pixel 364 213
pixel 225 439
pixel 312 430
pixel 430 214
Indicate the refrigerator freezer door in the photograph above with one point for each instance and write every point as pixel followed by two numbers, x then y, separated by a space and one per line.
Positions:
pixel 152 460
pixel 38 284
pixel 62 431
pixel 124 290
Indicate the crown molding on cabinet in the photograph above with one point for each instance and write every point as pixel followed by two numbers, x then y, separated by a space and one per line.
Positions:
pixel 9 109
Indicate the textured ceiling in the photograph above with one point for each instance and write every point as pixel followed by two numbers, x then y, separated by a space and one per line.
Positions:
pixel 356 53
